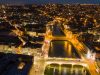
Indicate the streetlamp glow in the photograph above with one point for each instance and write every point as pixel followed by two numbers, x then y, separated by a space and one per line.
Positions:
pixel 89 54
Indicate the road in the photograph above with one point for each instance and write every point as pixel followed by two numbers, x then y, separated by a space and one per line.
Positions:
pixel 80 47
pixel 60 49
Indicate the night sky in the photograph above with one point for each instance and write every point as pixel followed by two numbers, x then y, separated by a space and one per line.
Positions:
pixel 47 1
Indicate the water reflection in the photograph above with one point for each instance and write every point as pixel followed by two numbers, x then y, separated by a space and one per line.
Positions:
pixel 66 69
pixel 61 48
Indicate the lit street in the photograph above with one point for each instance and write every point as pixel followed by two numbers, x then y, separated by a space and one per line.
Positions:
pixel 65 49
pixel 49 37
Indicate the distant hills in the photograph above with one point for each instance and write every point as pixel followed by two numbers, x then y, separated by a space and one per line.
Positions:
pixel 48 1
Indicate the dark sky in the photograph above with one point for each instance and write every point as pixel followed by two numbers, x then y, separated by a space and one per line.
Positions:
pixel 48 1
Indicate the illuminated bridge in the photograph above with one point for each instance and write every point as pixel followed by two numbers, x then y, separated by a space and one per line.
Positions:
pixel 60 51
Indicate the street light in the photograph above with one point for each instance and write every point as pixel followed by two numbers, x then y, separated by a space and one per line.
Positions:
pixel 88 54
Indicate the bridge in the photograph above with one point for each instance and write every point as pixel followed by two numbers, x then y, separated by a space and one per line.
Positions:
pixel 81 49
